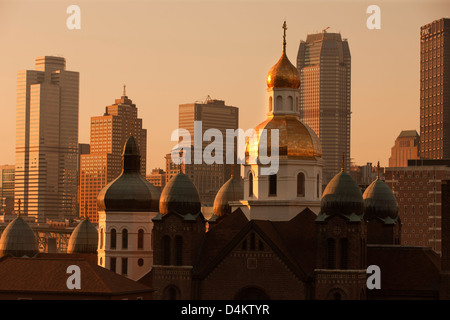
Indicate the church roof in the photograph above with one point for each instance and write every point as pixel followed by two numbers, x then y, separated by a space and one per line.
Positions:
pixel 180 196
pixel 18 239
pixel 84 238
pixel 32 275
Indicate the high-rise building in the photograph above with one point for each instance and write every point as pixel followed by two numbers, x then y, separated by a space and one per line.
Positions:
pixel 417 189
pixel 7 189
pixel 104 162
pixel 435 90
pixel 324 65
pixel 213 114
pixel 406 147
pixel 157 177
pixel 47 139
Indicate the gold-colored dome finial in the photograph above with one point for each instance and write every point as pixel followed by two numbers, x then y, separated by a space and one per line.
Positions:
pixel 283 74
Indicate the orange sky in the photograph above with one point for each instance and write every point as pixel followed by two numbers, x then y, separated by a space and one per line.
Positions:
pixel 174 52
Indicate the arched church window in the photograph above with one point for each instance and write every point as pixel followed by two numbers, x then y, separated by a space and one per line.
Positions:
pixel 101 238
pixel 124 239
pixel 270 104
pixel 279 103
pixel 166 250
pixel 250 184
pixel 331 253
pixel 344 253
pixel 290 103
pixel 301 184
pixel 140 243
pixel 178 250
pixel 318 186
pixel 272 185
pixel 113 238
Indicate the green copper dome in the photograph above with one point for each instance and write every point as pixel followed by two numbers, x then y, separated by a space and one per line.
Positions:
pixel 84 238
pixel 130 191
pixel 18 239
pixel 379 201
pixel 342 196
pixel 232 190
pixel 180 196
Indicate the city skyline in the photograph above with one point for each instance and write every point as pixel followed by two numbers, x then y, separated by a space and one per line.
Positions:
pixel 193 52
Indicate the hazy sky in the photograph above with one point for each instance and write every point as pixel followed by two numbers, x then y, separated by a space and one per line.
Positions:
pixel 174 52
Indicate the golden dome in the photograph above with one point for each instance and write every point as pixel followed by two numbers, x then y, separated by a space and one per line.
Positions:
pixel 296 140
pixel 283 74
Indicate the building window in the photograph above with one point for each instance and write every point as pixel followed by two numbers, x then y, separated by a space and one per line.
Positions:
pixel 272 185
pixel 250 184
pixel 112 264
pixel 166 250
pixel 101 238
pixel 140 239
pixel 270 104
pixel 124 239
pixel 344 253
pixel 113 238
pixel 300 185
pixel 331 253
pixel 124 266
pixel 178 250
pixel 318 186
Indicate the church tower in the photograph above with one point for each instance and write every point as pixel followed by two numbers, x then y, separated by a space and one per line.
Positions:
pixel 341 242
pixel 279 192
pixel 126 208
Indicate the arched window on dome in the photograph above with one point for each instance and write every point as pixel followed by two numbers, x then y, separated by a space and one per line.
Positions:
pixel 178 251
pixel 318 186
pixel 270 104
pixel 166 250
pixel 140 243
pixel 124 239
pixel 113 238
pixel 301 184
pixel 250 184
pixel 290 103
pixel 279 103
pixel 101 238
pixel 272 185
pixel 331 253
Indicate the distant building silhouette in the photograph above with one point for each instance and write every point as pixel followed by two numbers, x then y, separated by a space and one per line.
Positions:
pixel 406 147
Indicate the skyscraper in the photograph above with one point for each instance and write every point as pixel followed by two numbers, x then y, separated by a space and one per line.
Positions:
pixel 406 147
pixel 435 90
pixel 104 162
pixel 6 189
pixel 324 65
pixel 47 139
pixel 213 114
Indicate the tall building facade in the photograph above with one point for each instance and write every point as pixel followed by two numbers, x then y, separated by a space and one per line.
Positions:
pixel 47 139
pixel 417 189
pixel 109 133
pixel 213 114
pixel 406 147
pixel 7 189
pixel 435 90
pixel 324 65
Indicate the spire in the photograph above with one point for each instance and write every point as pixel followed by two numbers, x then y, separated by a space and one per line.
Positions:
pixel 124 90
pixel 19 203
pixel 343 162
pixel 378 170
pixel 284 36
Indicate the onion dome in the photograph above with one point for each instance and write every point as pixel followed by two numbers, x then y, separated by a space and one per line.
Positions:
pixel 180 196
pixel 18 239
pixel 232 190
pixel 296 140
pixel 380 202
pixel 283 74
pixel 342 196
pixel 129 191
pixel 84 238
